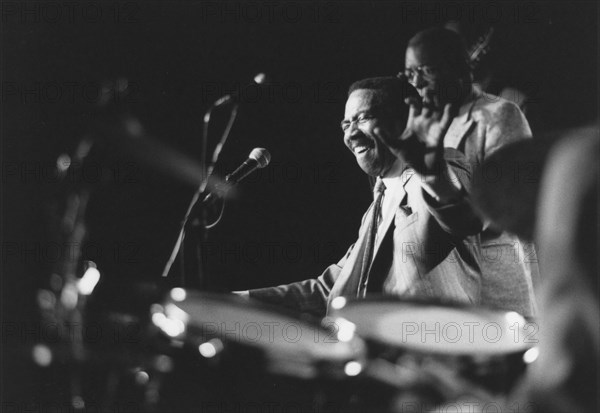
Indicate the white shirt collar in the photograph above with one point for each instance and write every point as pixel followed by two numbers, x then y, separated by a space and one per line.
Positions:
pixel 393 184
pixel 396 179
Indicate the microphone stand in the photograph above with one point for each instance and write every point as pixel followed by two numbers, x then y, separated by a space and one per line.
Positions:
pixel 201 229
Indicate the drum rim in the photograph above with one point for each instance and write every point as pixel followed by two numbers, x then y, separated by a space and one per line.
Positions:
pixel 243 304
pixel 426 301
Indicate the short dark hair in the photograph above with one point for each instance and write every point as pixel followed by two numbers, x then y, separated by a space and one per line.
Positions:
pixel 390 93
pixel 450 46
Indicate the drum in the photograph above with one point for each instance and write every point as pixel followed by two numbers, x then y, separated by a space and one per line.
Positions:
pixel 454 347
pixel 222 352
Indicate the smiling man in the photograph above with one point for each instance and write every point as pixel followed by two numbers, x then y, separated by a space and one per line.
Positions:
pixel 419 236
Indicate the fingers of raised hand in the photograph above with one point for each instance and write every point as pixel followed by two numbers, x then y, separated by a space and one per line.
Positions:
pixel 447 115
pixel 414 106
pixel 427 110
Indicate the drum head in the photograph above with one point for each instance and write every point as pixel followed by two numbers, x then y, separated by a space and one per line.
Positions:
pixel 288 345
pixel 439 328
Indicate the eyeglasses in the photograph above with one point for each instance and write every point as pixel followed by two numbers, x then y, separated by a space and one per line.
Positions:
pixel 359 120
pixel 423 70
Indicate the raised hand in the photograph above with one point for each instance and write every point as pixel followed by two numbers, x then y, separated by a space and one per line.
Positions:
pixel 428 121
pixel 421 144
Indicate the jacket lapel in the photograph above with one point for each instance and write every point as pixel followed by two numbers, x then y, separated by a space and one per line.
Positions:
pixel 457 132
pixel 462 124
pixel 347 282
pixel 398 197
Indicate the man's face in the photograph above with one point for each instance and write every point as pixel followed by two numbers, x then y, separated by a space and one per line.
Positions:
pixel 431 75
pixel 363 126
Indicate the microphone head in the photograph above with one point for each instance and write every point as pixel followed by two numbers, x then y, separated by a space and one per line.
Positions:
pixel 261 156
pixel 261 79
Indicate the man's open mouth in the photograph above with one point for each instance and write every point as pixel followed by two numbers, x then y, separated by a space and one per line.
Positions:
pixel 362 147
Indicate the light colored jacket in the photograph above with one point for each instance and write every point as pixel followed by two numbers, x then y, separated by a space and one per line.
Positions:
pixel 509 266
pixel 424 250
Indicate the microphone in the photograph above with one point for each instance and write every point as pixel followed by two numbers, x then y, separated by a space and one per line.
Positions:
pixel 258 158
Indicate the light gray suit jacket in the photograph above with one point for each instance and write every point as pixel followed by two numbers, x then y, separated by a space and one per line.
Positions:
pixel 509 267
pixel 424 250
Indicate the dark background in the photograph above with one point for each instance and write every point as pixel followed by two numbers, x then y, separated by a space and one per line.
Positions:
pixel 289 220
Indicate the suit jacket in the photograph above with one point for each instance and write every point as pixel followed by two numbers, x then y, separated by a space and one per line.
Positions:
pixel 423 249
pixel 509 267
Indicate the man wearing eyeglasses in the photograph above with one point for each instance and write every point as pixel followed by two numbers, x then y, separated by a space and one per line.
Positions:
pixel 420 237
pixel 437 65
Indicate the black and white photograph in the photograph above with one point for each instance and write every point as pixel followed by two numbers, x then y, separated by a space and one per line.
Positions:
pixel 299 206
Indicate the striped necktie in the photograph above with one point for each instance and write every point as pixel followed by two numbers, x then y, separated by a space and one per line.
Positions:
pixel 374 219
